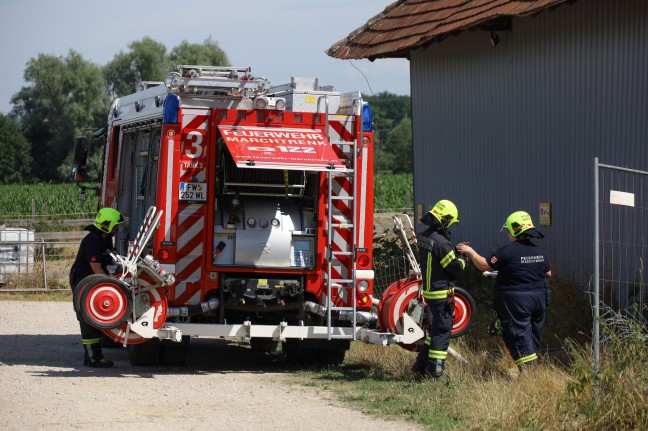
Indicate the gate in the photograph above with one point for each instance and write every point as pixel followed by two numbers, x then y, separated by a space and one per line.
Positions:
pixel 620 246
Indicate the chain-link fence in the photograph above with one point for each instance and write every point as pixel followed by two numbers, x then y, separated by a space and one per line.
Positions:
pixel 620 245
pixel 33 266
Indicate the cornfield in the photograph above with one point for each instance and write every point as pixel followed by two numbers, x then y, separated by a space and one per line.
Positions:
pixel 45 202
pixel 393 193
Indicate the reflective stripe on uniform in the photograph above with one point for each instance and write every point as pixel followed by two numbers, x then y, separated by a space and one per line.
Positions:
pixel 438 294
pixel 438 354
pixel 525 359
pixel 447 259
pixel 428 271
pixel 87 341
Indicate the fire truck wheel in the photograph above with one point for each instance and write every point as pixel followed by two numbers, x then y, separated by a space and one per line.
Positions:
pixel 174 354
pixel 81 286
pixel 263 345
pixel 314 353
pixel 105 302
pixel 144 354
pixel 464 312
pixel 330 357
pixel 299 357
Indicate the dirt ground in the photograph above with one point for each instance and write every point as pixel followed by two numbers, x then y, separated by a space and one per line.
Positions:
pixel 44 385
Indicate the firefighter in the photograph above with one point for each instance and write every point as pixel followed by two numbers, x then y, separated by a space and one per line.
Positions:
pixel 439 266
pixel 93 258
pixel 521 291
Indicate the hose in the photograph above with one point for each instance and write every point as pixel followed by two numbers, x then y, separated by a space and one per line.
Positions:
pixel 192 310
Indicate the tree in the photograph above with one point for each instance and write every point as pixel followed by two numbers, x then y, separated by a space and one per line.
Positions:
pixel 15 157
pixel 146 61
pixel 392 132
pixel 399 145
pixel 208 53
pixel 62 96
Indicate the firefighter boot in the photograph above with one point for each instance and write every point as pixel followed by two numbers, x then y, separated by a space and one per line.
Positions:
pixel 528 367
pixel 98 360
pixel 420 366
pixel 435 368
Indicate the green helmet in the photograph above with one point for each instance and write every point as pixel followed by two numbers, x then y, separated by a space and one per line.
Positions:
pixel 520 222
pixel 107 219
pixel 446 212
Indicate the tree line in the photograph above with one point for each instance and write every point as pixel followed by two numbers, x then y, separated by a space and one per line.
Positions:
pixel 64 95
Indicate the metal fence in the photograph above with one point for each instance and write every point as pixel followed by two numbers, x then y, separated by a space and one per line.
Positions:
pixel 620 246
pixel 35 266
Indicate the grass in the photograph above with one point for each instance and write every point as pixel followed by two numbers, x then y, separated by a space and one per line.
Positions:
pixel 58 296
pixel 488 393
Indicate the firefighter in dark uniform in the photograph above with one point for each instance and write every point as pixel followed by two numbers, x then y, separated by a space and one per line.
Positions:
pixel 439 266
pixel 93 258
pixel 521 291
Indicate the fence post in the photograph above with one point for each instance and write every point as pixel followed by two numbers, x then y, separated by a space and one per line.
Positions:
pixel 596 277
pixel 33 209
pixel 44 266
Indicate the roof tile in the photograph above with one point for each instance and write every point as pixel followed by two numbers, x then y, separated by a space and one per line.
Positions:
pixel 407 24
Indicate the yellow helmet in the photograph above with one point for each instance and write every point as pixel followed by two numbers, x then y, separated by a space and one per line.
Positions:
pixel 107 219
pixel 520 222
pixel 446 212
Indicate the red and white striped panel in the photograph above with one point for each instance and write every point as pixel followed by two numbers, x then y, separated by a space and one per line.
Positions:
pixel 190 250
pixel 191 216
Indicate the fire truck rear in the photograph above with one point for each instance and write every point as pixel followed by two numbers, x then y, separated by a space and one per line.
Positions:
pixel 265 202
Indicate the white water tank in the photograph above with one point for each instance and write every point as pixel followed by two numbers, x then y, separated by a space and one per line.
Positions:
pixel 16 251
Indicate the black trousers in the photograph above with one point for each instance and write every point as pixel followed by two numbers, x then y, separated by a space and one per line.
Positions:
pixel 522 313
pixel 440 314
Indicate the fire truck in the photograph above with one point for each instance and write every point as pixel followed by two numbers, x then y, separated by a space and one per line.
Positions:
pixel 249 215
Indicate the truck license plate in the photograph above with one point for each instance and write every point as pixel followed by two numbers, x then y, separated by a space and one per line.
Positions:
pixel 193 191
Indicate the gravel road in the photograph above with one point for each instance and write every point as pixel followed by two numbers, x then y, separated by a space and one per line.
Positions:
pixel 43 385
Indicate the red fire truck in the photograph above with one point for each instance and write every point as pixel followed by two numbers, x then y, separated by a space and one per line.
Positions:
pixel 264 204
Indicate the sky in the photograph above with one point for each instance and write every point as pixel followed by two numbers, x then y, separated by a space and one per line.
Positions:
pixel 278 39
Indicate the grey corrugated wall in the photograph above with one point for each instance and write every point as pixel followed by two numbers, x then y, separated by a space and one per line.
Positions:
pixel 502 129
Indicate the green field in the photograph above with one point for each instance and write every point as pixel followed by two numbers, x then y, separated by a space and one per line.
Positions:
pixel 45 202
pixel 60 201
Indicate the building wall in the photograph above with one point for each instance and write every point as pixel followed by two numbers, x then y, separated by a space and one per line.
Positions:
pixel 502 129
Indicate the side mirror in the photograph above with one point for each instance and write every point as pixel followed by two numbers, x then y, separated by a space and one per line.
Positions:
pixel 79 174
pixel 80 153
pixel 99 132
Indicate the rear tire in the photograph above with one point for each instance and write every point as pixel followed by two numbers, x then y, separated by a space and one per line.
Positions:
pixel 173 353
pixel 318 353
pixel 263 345
pixel 145 354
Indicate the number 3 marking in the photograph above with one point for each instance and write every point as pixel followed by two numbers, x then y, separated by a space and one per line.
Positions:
pixel 194 149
